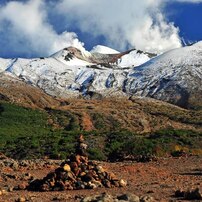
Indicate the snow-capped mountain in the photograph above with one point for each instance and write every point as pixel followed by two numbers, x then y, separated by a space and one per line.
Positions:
pixel 175 76
pixel 72 72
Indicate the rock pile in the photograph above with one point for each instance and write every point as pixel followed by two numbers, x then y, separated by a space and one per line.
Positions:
pixel 77 173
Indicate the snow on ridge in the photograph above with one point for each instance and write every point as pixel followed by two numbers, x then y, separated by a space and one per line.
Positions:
pixel 188 55
pixel 103 50
pixel 133 59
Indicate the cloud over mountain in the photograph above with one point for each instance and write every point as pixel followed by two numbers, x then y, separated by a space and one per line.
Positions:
pixel 135 23
pixel 26 27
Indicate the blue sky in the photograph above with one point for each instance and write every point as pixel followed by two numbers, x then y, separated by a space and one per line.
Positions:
pixel 33 28
pixel 188 17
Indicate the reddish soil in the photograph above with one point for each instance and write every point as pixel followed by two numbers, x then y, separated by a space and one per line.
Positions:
pixel 159 179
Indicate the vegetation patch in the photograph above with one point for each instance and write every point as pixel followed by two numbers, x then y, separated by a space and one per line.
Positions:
pixel 27 133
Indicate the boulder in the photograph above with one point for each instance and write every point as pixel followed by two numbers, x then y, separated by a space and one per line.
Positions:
pixel 129 197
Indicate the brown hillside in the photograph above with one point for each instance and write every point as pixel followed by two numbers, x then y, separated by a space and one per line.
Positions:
pixel 134 114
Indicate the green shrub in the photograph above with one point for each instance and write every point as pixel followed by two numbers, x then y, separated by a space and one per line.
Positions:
pixel 96 154
pixel 27 133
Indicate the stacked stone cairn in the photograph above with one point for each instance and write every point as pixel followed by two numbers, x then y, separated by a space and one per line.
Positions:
pixel 77 173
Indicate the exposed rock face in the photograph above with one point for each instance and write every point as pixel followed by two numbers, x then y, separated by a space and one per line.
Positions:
pixel 77 173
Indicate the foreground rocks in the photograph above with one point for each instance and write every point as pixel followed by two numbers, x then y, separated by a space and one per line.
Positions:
pixel 77 173
pixel 153 179
pixel 122 198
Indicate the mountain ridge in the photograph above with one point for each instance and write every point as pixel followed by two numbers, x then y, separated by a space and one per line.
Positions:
pixel 174 76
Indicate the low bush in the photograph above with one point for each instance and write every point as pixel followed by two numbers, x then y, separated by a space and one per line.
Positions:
pixel 27 133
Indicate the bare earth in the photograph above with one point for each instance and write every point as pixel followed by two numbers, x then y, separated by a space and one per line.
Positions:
pixel 159 179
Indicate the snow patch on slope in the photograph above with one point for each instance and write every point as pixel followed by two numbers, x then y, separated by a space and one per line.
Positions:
pixel 133 59
pixel 5 63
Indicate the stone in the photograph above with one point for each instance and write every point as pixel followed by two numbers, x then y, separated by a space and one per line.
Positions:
pixel 106 183
pixel 122 183
pixel 89 199
pixel 82 174
pixel 106 198
pixel 146 199
pixel 67 168
pixel 10 189
pixel 52 183
pixel 4 191
pixel 81 138
pixel 21 199
pixel 15 166
pixel 97 183
pixel 100 169
pixel 83 146
pixel 73 165
pixel 71 176
pixel 115 183
pixel 111 176
pixel 77 158
pixel 24 163
pixel 80 185
pixel 99 198
pixel 45 187
pixel 87 178
pixel 91 185
pixel 129 197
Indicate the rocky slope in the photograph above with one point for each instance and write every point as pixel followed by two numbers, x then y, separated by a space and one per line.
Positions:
pixel 14 90
pixel 175 76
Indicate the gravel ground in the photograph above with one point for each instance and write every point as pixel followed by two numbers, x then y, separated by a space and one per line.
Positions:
pixel 159 179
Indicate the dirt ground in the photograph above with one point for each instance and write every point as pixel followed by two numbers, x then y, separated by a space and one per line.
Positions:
pixel 159 179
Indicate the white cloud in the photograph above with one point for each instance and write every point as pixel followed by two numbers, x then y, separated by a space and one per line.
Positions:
pixel 26 28
pixel 137 23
